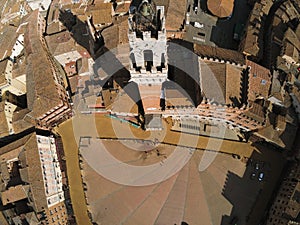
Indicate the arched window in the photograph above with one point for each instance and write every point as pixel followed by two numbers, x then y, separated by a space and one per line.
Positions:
pixel 132 60
pixel 148 59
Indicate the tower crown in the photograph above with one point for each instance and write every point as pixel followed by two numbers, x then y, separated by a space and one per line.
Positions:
pixel 147 17
pixel 147 39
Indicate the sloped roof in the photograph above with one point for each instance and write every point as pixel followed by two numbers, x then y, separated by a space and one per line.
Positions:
pixel 282 137
pixel 175 97
pixel 150 96
pixel 101 13
pixel 44 96
pixel 6 147
pixel 233 82
pixel 175 14
pixel 35 176
pixel 123 30
pixel 4 130
pixel 292 38
pixel 3 64
pixel 122 7
pixel 8 36
pixel 297 31
pixel 251 42
pixel 219 53
pixel 259 81
pixel 221 81
pixel 218 70
pixel 14 194
pixel 291 50
pixel 256 112
pixel 19 123
pixel 111 36
pixel 61 43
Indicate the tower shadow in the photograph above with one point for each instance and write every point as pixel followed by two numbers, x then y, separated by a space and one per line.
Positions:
pixel 81 33
pixel 250 195
pixel 184 68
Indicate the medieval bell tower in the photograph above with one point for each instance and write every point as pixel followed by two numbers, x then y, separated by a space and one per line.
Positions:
pixel 148 59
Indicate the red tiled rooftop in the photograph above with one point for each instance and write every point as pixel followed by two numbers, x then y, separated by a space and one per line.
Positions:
pixel 7 40
pixel 259 81
pixel 221 81
pixel 219 53
pixel 123 7
pixel 70 68
pixel 175 14
pixel 100 12
pixel 14 194
pixel 73 83
pixel 150 96
pixel 40 67
pixel 4 131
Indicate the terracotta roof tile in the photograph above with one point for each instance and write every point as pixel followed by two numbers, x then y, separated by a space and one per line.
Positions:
pixel 3 64
pixel 8 37
pixel 122 7
pixel 4 127
pixel 259 81
pixel 35 176
pixel 101 13
pixel 73 83
pixel 44 96
pixel 219 53
pixel 175 97
pixel 123 30
pixel 175 14
pixel 14 194
pixel 228 78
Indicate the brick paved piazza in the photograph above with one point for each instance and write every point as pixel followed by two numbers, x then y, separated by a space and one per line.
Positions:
pixel 187 195
pixel 133 180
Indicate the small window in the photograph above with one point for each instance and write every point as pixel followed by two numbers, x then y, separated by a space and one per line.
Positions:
pixel 201 34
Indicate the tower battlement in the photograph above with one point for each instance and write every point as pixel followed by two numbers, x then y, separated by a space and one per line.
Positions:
pixel 148 43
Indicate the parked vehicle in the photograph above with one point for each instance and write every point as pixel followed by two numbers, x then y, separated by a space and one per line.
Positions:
pixel 253 175
pixel 261 176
